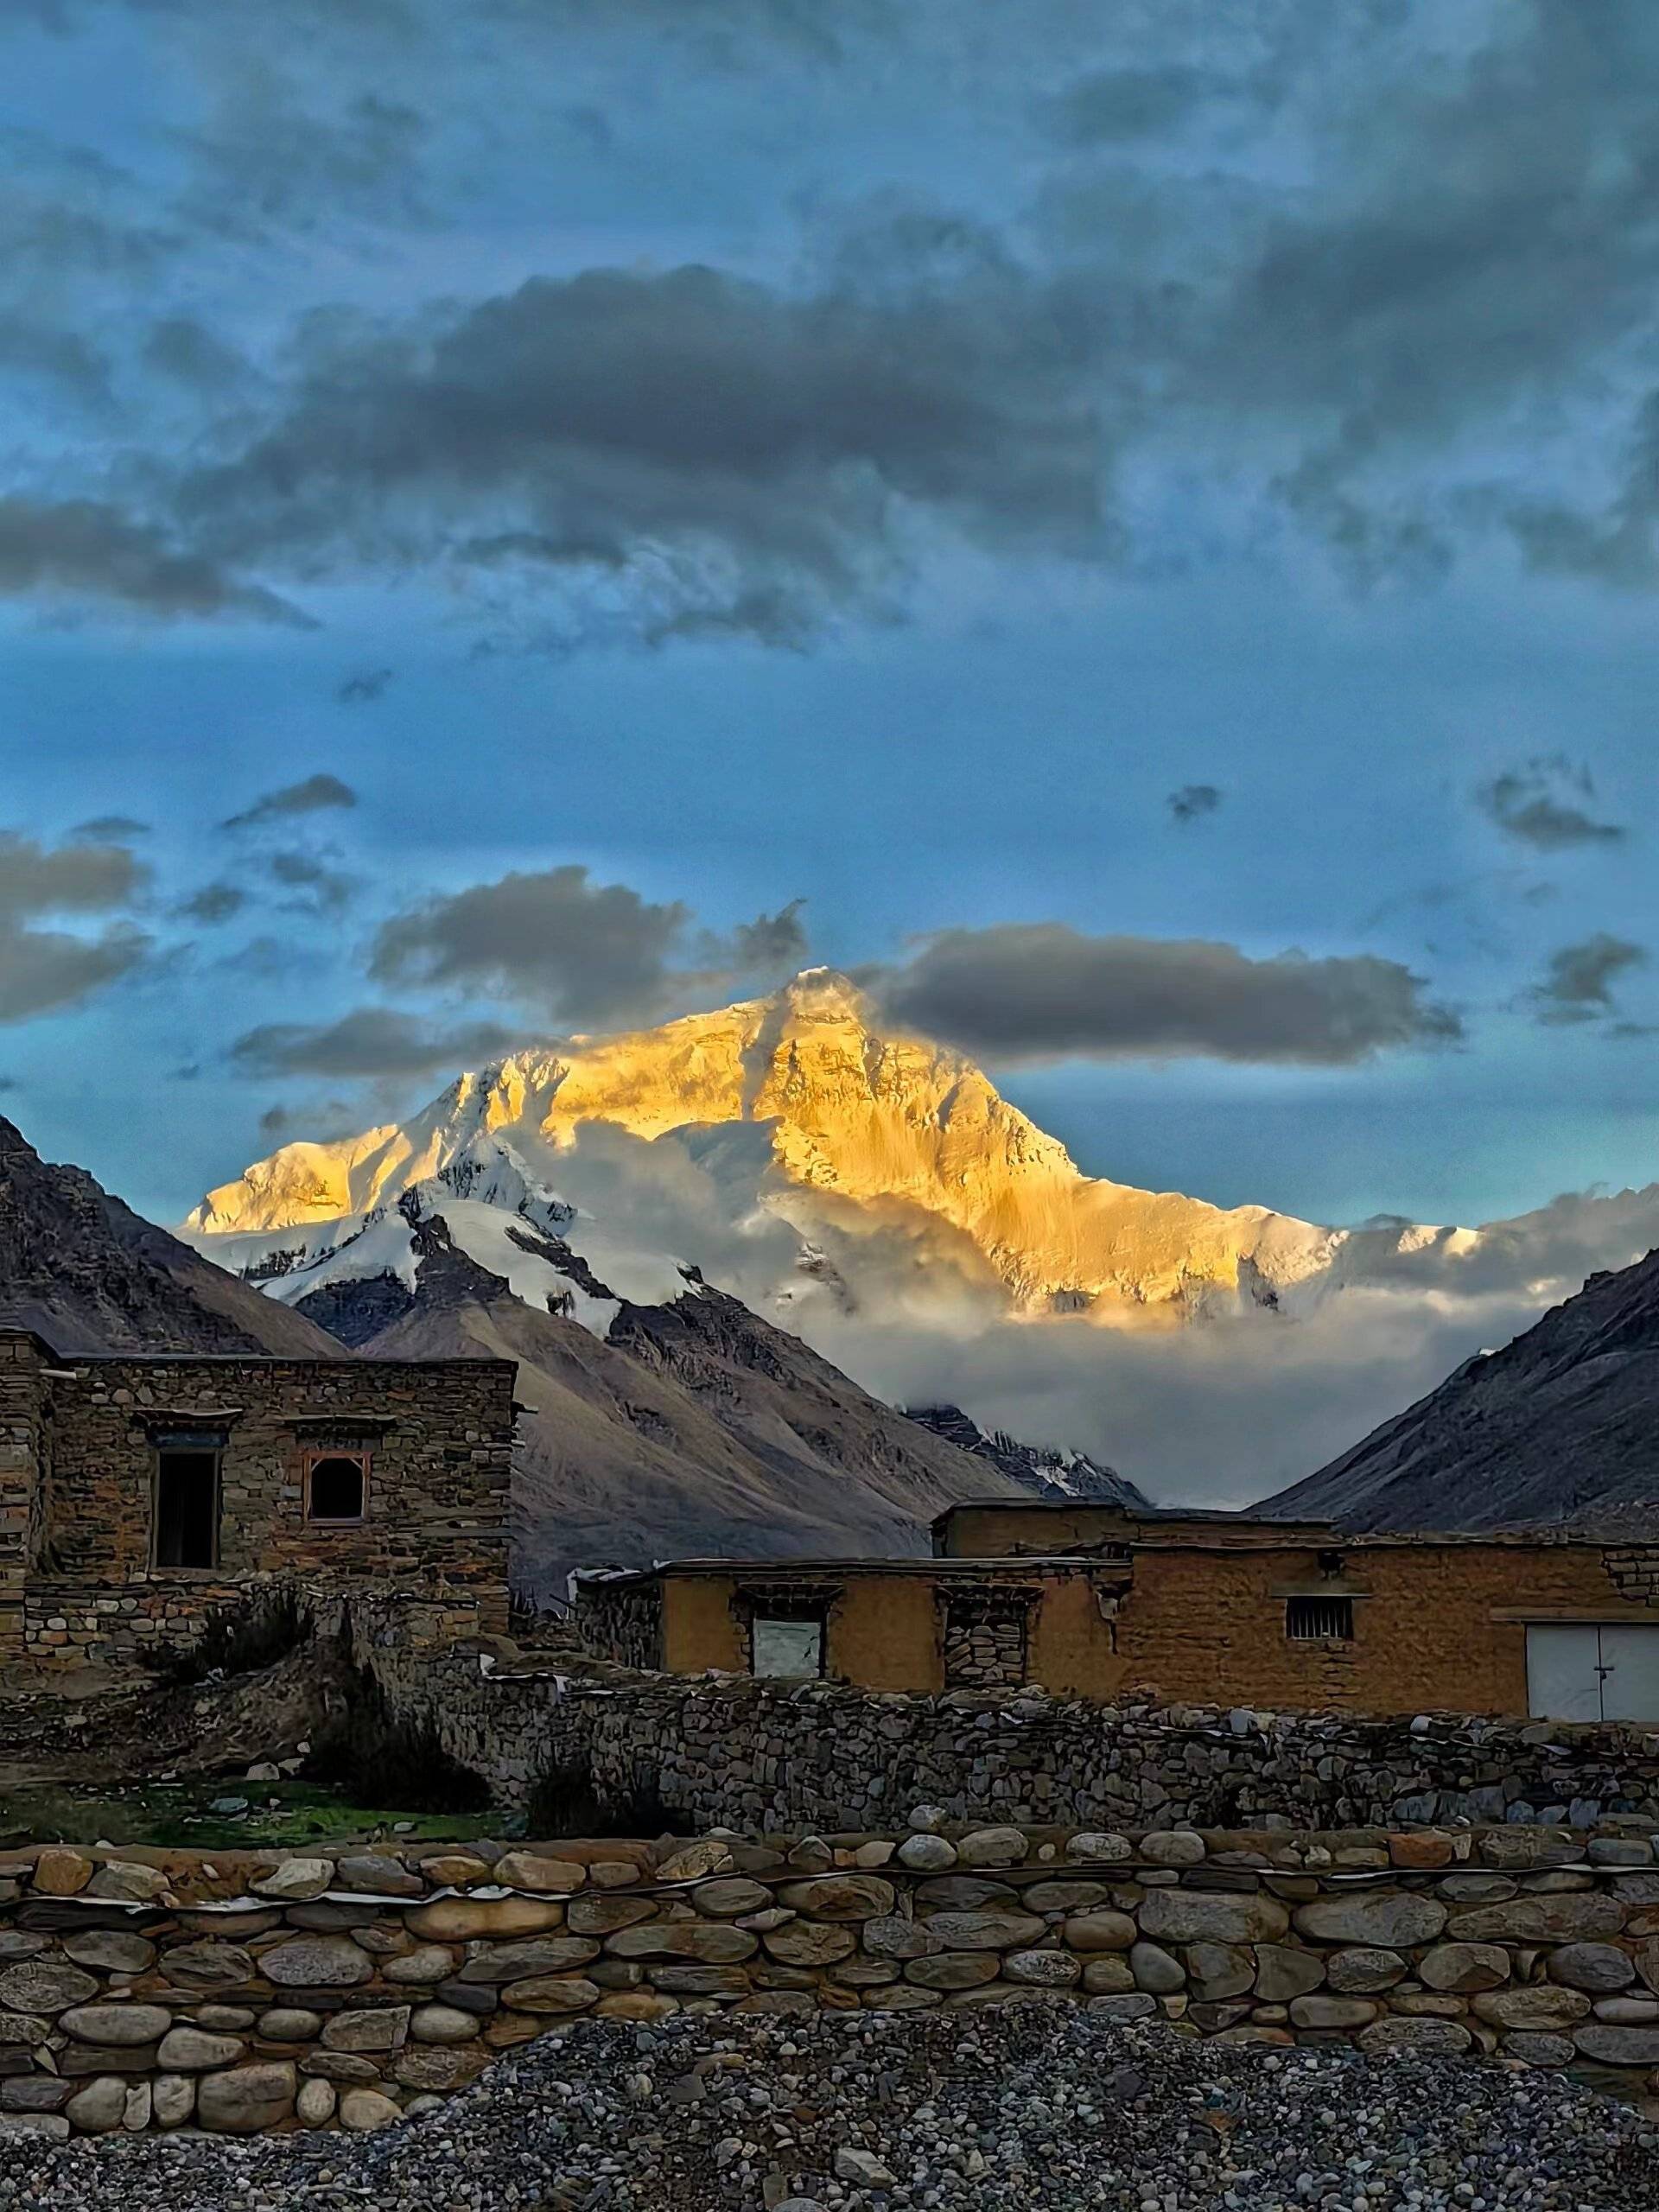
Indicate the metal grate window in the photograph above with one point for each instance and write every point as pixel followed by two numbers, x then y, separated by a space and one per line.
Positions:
pixel 1319 1620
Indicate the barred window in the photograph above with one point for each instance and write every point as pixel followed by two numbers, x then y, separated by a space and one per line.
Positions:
pixel 1319 1620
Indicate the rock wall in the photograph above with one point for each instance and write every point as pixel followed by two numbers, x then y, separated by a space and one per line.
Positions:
pixel 250 1991
pixel 753 1755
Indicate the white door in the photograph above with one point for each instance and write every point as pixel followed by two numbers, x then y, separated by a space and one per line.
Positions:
pixel 1563 1676
pixel 1629 1672
pixel 1590 1671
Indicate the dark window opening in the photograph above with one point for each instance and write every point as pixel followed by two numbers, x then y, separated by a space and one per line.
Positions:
pixel 335 1488
pixel 1319 1620
pixel 187 1508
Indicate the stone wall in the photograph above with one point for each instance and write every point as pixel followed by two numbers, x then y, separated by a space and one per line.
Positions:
pixel 250 1991
pixel 753 1755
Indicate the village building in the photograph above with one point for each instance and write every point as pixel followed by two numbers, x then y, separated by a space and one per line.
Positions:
pixel 139 1496
pixel 1095 1602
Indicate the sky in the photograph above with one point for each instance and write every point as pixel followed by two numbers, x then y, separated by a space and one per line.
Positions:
pixel 1132 532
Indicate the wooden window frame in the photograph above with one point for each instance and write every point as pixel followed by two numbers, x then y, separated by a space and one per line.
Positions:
pixel 314 1456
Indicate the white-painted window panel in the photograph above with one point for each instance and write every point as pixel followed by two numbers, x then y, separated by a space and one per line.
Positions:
pixel 1563 1678
pixel 1629 1677
pixel 787 1647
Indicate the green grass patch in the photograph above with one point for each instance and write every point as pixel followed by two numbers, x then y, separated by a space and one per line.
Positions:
pixel 196 1814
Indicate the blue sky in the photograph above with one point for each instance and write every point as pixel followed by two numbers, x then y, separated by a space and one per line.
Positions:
pixel 874 457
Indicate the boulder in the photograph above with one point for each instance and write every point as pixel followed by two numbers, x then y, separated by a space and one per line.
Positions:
pixel 1320 2010
pixel 442 2023
pixel 289 2024
pixel 125 1881
pixel 1392 1919
pixel 953 1970
pixel 427 1963
pixel 297 1881
pixel 248 2099
pixel 1538 2005
pixel 1154 1969
pixel 101 2108
pixel 723 1898
pixel 172 2099
pixel 556 1993
pixel 1602 1968
pixel 1042 1969
pixel 992 1847
pixel 890 1937
pixel 1282 1973
pixel 1109 1973
pixel 713 1941
pixel 1219 1970
pixel 1464 1967
pixel 1096 1846
pixel 1172 1847
pixel 316 2103
pixel 1615 2046
pixel 526 1870
pixel 108 1951
pixel 379 1876
pixel 840 1897
pixel 1578 1915
pixel 927 1855
pixel 208 1965
pixel 986 1931
pixel 369 2029
pixel 1363 1970
pixel 713 1856
pixel 46 1985
pixel 316 1962
pixel 1430 2038
pixel 809 1943
pixel 465 1920
pixel 191 2050
pixel 122 2026
pixel 1207 1917
pixel 60 1873
pixel 1099 1931
pixel 496 1963
pixel 363 2112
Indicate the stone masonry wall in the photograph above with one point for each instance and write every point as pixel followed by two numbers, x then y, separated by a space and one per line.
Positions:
pixel 752 1755
pixel 253 1991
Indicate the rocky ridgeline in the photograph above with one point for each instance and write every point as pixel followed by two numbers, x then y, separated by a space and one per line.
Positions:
pixel 252 1992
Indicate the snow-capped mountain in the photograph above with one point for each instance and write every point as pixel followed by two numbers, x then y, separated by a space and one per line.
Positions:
pixel 798 1110
pixel 871 1193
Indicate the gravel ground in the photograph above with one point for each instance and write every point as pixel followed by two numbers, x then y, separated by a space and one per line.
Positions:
pixel 971 2111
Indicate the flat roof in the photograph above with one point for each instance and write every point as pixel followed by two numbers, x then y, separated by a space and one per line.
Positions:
pixel 350 1363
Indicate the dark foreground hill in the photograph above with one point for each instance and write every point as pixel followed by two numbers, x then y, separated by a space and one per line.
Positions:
pixel 1560 1426
pixel 83 1270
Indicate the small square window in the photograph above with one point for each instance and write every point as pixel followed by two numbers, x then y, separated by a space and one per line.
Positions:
pixel 785 1647
pixel 336 1487
pixel 1319 1620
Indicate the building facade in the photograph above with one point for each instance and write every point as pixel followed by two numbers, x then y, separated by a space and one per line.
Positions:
pixel 138 1497
pixel 1212 1608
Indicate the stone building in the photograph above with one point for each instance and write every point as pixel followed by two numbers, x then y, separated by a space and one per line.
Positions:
pixel 1211 1608
pixel 139 1496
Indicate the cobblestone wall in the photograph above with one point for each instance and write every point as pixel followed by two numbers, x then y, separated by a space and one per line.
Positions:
pixel 753 1755
pixel 252 1992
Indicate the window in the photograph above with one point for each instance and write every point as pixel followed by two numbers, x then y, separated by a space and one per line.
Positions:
pixel 785 1647
pixel 186 1514
pixel 1319 1620
pixel 336 1486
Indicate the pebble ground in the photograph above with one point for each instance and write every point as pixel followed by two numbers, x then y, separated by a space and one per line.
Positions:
pixel 995 2110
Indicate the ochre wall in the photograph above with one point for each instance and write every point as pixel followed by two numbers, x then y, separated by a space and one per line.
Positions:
pixel 1209 1625
pixel 995 1531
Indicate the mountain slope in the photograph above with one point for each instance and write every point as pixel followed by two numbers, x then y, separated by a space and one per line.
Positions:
pixel 686 1427
pixel 1051 1474
pixel 1562 1425
pixel 83 1270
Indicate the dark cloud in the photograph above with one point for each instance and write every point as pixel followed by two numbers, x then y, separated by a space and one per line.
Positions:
pixel 84 548
pixel 213 902
pixel 1538 804
pixel 722 454
pixel 77 879
pixel 321 889
pixel 1111 104
pixel 44 968
pixel 1577 984
pixel 371 1041
pixel 314 796
pixel 1042 991
pixel 180 347
pixel 334 1117
pixel 364 685
pixel 771 943
pixel 1193 801
pixel 590 954
pixel 110 829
